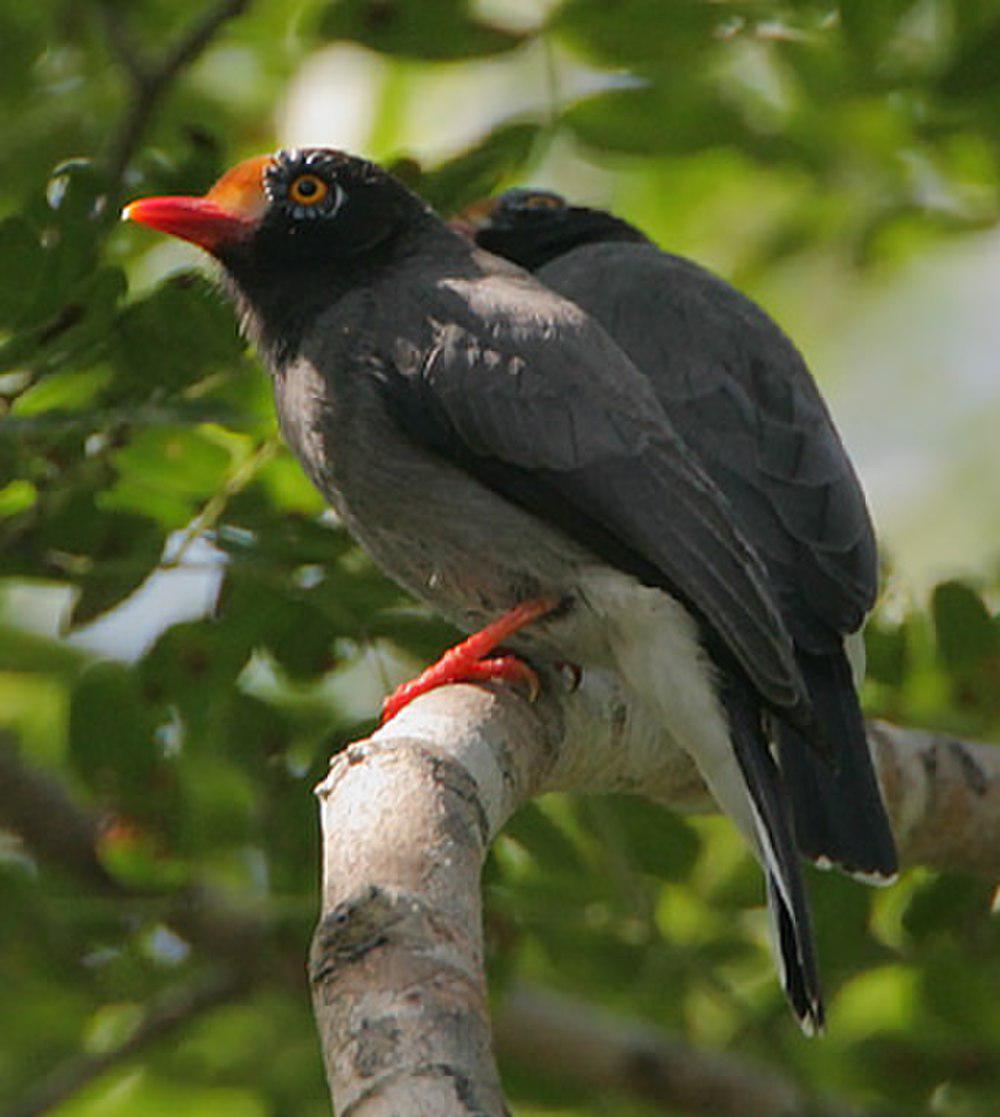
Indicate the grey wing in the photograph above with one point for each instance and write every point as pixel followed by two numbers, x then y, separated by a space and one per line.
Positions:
pixel 740 395
pixel 537 401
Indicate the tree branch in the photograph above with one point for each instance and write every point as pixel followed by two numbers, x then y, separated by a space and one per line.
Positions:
pixel 397 962
pixel 407 816
pixel 42 812
pixel 124 48
pixel 570 1040
pixel 943 797
pixel 150 81
pixel 59 830
pixel 176 1009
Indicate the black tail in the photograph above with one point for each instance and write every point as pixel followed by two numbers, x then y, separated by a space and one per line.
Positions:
pixel 837 807
pixel 786 896
pixel 798 966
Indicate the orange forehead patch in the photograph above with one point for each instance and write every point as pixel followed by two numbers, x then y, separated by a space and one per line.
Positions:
pixel 479 213
pixel 240 191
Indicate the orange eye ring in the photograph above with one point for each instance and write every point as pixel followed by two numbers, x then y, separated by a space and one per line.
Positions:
pixel 308 190
pixel 543 201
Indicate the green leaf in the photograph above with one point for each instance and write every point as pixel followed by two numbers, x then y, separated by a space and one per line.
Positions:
pixel 219 807
pixel 478 172
pixel 428 29
pixel 128 1094
pixel 973 72
pixel 547 843
pixel 110 1027
pixel 966 635
pixel 73 226
pixel 872 29
pixel 885 652
pixel 21 256
pixel 174 337
pixel 76 190
pixel 16 497
pixel 880 1000
pixel 655 840
pixel 259 529
pixel 290 490
pixel 638 32
pixel 289 621
pixel 945 904
pixel 112 733
pixel 33 706
pixel 73 332
pixel 166 473
pixel 65 390
pixel 25 651
pixel 105 554
pixel 656 118
pixel 192 663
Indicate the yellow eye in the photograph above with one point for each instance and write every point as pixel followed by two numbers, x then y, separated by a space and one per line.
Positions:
pixel 308 190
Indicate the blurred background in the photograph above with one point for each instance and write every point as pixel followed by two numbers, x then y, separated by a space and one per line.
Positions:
pixel 185 636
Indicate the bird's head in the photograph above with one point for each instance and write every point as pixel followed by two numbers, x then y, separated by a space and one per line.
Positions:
pixel 291 230
pixel 296 204
pixel 531 227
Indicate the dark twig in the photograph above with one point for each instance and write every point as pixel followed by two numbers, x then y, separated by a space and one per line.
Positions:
pixel 127 52
pixel 150 81
pixel 571 1040
pixel 40 810
pixel 472 751
pixel 63 833
pixel 58 830
pixel 176 1009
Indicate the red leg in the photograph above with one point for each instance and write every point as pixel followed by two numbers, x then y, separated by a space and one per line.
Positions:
pixel 468 661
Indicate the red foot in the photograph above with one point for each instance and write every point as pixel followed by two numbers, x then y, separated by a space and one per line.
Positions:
pixel 468 661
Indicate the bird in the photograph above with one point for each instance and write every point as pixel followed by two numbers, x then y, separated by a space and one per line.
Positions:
pixel 742 398
pixel 500 456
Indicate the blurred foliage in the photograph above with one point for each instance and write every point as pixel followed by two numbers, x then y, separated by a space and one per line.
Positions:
pixel 133 423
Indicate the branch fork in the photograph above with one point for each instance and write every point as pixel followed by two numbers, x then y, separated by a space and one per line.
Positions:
pixel 408 815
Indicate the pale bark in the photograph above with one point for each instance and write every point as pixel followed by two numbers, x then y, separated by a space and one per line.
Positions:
pixel 943 797
pixel 397 969
pixel 408 815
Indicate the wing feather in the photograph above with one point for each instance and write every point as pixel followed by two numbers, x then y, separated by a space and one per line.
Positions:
pixel 742 398
pixel 528 393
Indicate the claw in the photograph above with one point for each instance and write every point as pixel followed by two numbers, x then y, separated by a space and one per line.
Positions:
pixel 471 661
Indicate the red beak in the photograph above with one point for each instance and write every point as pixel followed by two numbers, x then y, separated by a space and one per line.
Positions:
pixel 198 220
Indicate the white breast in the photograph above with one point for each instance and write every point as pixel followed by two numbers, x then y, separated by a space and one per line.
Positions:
pixel 654 642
